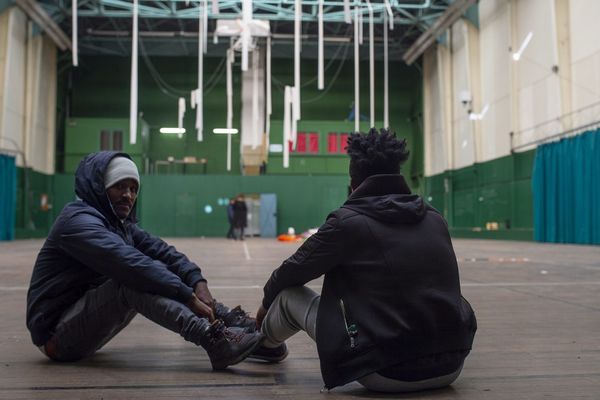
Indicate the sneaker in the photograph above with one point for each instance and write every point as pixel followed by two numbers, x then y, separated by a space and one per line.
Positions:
pixel 236 317
pixel 269 354
pixel 227 347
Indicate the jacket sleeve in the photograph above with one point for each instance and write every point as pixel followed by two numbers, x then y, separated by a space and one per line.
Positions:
pixel 175 261
pixel 86 239
pixel 320 253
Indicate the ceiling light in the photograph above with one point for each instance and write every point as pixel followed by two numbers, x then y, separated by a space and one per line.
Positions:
pixel 173 131
pixel 225 131
pixel 517 56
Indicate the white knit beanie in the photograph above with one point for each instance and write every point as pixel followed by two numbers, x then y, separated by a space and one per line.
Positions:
pixel 118 169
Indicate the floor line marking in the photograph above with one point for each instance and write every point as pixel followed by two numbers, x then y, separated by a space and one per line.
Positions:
pixel 246 252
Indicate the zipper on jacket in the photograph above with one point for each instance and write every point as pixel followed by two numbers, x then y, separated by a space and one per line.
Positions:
pixel 350 329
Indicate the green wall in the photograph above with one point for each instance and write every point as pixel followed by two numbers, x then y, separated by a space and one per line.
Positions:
pixel 173 205
pixel 100 98
pixel 495 191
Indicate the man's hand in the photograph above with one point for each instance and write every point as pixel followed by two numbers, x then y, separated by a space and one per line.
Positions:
pixel 201 291
pixel 260 316
pixel 200 308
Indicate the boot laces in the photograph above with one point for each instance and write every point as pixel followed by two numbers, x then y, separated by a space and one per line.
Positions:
pixel 220 330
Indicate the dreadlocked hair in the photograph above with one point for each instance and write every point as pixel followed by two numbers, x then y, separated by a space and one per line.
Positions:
pixel 375 153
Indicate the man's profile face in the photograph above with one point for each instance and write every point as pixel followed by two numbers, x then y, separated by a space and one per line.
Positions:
pixel 122 196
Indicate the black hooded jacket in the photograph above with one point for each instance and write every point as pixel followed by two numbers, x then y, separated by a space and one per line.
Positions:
pixel 89 245
pixel 391 292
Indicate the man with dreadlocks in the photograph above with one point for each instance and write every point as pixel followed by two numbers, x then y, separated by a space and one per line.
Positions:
pixel 391 315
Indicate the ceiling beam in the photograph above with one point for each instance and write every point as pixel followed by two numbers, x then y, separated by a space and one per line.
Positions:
pixel 45 22
pixel 427 38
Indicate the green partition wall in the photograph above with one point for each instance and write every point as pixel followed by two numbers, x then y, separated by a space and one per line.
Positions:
pixel 487 200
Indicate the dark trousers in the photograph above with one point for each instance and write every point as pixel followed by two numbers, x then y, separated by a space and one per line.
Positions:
pixel 104 311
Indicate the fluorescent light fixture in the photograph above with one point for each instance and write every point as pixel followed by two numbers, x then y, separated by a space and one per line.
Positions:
pixel 517 56
pixel 225 131
pixel 276 148
pixel 478 117
pixel 175 131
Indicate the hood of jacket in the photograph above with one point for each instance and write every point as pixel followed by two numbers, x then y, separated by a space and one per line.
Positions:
pixel 387 198
pixel 89 183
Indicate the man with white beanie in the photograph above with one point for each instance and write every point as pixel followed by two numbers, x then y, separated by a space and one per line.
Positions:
pixel 98 269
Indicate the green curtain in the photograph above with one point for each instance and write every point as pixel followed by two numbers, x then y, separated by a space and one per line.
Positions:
pixel 8 192
pixel 566 190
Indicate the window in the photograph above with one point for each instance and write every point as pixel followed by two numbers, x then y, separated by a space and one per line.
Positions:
pixel 110 141
pixel 104 140
pixel 306 143
pixel 332 142
pixel 343 142
pixel 117 143
pixel 337 142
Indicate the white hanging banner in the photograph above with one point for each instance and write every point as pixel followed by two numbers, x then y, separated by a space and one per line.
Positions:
pixel 255 119
pixel 193 99
pixel 296 89
pixel 356 72
pixel 386 106
pixel 205 26
pixel 215 7
pixel 371 67
pixel 347 14
pixel 295 107
pixel 287 100
pixel 133 103
pixel 360 27
pixel 180 112
pixel 388 8
pixel 230 60
pixel 75 50
pixel 245 36
pixel 200 90
pixel 269 100
pixel 321 72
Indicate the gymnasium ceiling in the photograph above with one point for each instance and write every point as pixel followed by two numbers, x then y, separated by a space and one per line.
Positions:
pixel 170 27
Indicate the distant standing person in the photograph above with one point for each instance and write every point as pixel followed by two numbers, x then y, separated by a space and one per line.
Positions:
pixel 230 234
pixel 240 216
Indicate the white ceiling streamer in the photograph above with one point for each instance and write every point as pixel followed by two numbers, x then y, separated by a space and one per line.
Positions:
pixel 386 105
pixel 75 50
pixel 269 99
pixel 245 36
pixel 255 119
pixel 356 72
pixel 371 67
pixel 199 91
pixel 230 61
pixel 388 8
pixel 347 13
pixel 321 73
pixel 205 26
pixel 133 99
pixel 287 122
pixel 180 112
pixel 296 89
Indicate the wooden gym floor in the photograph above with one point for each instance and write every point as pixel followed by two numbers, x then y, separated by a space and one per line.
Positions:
pixel 538 307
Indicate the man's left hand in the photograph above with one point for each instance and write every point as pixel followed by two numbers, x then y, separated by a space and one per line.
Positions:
pixel 203 294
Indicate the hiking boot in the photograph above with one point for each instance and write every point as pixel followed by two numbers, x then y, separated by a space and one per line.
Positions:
pixel 228 346
pixel 269 354
pixel 236 317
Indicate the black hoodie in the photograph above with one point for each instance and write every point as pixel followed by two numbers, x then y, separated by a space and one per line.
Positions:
pixel 88 245
pixel 391 282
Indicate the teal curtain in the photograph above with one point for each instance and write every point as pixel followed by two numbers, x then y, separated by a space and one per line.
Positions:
pixel 8 193
pixel 566 190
